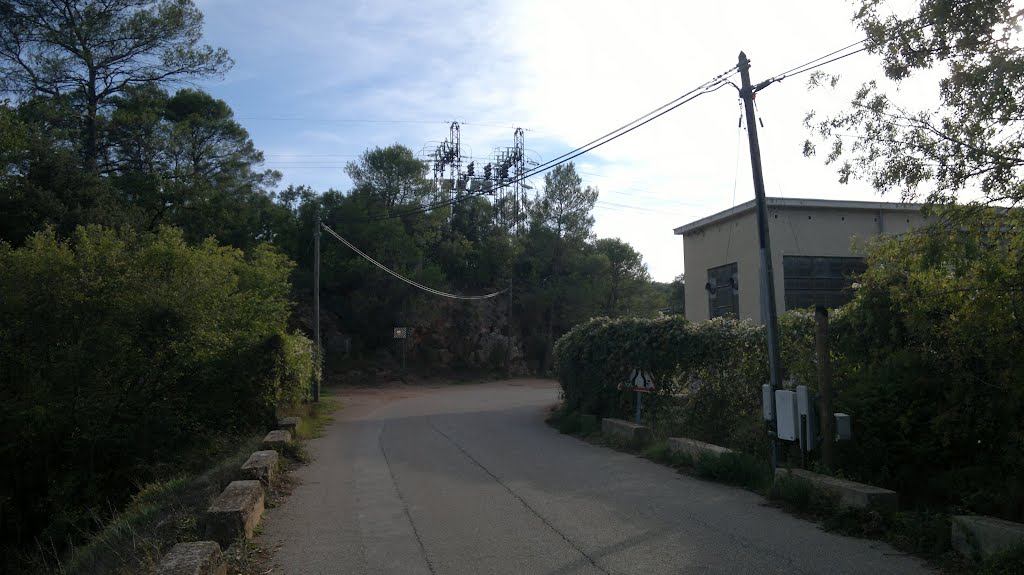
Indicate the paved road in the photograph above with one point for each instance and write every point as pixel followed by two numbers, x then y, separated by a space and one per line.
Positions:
pixel 469 480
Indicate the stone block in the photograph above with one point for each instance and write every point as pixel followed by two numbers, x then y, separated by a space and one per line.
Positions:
pixel 277 439
pixel 695 449
pixel 288 423
pixel 850 493
pixel 261 466
pixel 625 430
pixel 193 558
pixel 235 513
pixel 980 537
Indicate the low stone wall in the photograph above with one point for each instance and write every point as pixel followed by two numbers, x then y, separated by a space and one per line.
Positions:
pixel 850 493
pixel 193 558
pixel 288 423
pixel 277 440
pixel 262 466
pixel 235 513
pixel 625 430
pixel 980 537
pixel 695 449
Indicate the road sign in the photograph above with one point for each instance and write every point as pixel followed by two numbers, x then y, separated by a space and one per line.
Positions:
pixel 641 381
pixel 400 332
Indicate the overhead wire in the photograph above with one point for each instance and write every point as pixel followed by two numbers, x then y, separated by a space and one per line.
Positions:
pixel 403 278
pixel 709 86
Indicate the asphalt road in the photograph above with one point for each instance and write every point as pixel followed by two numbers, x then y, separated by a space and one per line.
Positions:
pixel 469 480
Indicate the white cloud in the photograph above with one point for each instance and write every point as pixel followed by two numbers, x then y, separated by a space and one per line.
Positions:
pixel 567 71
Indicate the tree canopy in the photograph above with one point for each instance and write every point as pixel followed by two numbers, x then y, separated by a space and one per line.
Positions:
pixel 970 143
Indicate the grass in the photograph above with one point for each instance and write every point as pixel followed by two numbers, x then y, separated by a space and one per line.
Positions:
pixel 314 417
pixel 161 514
pixel 167 512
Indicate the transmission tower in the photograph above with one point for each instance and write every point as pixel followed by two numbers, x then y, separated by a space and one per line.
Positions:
pixel 448 158
pixel 506 172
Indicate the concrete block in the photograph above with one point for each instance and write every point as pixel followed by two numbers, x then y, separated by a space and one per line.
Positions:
pixel 193 558
pixel 980 537
pixel 625 430
pixel 261 465
pixel 277 439
pixel 235 513
pixel 695 449
pixel 288 423
pixel 850 493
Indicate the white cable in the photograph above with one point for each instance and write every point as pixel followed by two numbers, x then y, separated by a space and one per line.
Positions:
pixel 405 279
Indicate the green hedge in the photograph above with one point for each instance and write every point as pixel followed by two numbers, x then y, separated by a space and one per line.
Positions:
pixel 122 355
pixel 926 358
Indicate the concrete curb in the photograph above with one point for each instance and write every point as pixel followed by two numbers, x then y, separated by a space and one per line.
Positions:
pixel 850 493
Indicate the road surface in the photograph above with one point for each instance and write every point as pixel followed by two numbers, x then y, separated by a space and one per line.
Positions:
pixel 469 480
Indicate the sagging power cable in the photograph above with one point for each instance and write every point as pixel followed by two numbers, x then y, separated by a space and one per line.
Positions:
pixel 405 279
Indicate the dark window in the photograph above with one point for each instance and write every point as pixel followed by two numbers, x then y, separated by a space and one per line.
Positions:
pixel 817 280
pixel 723 291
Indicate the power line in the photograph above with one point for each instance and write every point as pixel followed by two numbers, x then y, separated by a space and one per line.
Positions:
pixel 405 279
pixel 709 86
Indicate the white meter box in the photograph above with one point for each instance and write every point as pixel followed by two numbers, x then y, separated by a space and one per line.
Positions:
pixel 787 416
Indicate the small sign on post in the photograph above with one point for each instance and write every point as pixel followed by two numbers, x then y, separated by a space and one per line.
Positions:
pixel 401 333
pixel 641 382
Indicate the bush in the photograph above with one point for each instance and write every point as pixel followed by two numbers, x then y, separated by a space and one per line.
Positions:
pixel 709 375
pixel 123 353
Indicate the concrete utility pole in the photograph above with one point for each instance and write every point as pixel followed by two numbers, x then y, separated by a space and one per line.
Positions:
pixel 768 312
pixel 824 353
pixel 316 308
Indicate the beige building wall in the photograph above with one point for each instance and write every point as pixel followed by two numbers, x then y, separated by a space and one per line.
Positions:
pixel 796 227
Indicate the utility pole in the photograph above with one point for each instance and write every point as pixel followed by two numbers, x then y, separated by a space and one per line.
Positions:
pixel 768 312
pixel 824 353
pixel 316 309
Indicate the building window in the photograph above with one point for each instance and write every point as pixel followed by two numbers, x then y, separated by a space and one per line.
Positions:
pixel 723 291
pixel 818 280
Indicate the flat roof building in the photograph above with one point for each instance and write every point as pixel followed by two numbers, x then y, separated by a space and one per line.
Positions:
pixel 813 253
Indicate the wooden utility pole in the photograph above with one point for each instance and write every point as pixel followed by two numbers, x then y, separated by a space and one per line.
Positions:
pixel 316 309
pixel 768 312
pixel 823 351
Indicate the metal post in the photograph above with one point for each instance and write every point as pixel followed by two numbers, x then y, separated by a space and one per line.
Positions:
pixel 769 313
pixel 639 405
pixel 822 349
pixel 316 308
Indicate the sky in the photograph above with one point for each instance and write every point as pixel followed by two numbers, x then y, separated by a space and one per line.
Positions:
pixel 318 83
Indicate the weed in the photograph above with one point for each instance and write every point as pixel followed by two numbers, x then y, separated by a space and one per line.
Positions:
pixel 734 468
pixel 658 451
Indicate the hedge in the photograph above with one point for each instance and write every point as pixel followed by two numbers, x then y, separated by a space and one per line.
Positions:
pixel 122 355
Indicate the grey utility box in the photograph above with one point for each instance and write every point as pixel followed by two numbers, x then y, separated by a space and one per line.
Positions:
pixel 844 427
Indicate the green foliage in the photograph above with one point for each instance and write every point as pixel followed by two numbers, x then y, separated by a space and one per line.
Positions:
pixel 121 352
pixel 708 374
pixel 93 51
pixel 934 383
pixel 970 142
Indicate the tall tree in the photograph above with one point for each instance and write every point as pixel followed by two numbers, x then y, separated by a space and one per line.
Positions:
pixel 564 206
pixel 92 50
pixel 626 277
pixel 972 141
pixel 390 176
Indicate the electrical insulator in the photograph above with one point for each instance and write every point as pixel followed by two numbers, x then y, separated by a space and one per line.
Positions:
pixel 487 172
pixel 469 169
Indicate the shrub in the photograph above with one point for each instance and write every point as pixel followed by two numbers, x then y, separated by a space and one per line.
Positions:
pixel 121 353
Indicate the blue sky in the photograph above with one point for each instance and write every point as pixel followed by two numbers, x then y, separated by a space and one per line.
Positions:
pixel 317 83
